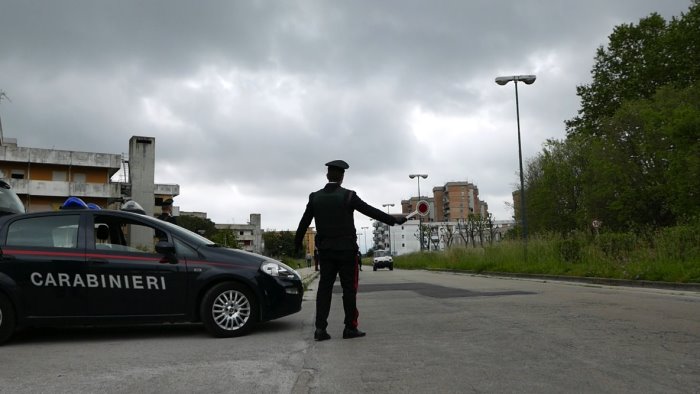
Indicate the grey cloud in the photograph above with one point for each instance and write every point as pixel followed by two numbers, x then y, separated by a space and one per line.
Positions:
pixel 300 83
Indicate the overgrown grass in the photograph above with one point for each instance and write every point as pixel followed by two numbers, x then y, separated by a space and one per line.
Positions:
pixel 669 255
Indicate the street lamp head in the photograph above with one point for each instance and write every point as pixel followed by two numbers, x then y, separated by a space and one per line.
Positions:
pixel 528 79
pixel 503 80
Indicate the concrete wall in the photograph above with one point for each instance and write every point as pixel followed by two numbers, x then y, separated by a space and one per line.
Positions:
pixel 142 161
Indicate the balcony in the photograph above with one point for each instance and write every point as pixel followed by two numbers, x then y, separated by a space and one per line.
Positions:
pixel 63 189
pixel 166 189
pixel 60 157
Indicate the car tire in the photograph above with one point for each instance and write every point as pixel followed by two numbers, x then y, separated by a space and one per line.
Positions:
pixel 7 319
pixel 374 268
pixel 228 310
pixel 391 267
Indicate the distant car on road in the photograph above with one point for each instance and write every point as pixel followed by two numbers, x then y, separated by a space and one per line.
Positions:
pixel 382 259
pixel 93 266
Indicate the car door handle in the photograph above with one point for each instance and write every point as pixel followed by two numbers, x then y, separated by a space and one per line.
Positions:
pixel 98 261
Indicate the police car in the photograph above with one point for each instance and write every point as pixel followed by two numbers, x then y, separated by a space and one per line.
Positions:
pixel 94 266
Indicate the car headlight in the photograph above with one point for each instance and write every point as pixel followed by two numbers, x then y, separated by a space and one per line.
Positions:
pixel 277 269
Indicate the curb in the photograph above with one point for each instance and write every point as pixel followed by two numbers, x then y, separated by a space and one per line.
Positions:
pixel 588 280
pixel 307 278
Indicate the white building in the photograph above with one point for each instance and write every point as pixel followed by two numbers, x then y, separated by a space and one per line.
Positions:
pixel 249 235
pixel 438 236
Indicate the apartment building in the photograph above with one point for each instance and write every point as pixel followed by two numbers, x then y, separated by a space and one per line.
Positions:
pixel 43 178
pixel 451 202
pixel 249 235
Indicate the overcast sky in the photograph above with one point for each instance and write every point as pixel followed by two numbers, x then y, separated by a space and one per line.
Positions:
pixel 248 99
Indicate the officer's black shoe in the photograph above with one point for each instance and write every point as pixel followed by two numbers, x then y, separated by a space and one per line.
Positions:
pixel 352 333
pixel 321 335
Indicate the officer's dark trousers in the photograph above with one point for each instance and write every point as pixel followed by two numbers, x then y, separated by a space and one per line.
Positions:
pixel 334 263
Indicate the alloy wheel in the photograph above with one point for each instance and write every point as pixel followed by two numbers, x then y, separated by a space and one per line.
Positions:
pixel 231 310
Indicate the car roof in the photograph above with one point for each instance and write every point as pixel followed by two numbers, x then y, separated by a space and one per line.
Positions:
pixel 191 236
pixel 93 212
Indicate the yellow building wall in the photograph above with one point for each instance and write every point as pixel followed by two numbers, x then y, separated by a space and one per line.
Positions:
pixel 44 172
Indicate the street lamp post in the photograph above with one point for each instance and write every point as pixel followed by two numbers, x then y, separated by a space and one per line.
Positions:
pixel 364 231
pixel 389 227
pixel 420 224
pixel 529 80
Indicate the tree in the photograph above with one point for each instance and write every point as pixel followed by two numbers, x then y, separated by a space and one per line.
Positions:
pixel 637 61
pixel 447 234
pixel 204 227
pixel 280 243
pixel 226 237
pixel 631 156
pixel 554 187
pixel 648 170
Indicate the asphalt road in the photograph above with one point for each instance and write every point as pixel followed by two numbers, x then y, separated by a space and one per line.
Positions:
pixel 427 333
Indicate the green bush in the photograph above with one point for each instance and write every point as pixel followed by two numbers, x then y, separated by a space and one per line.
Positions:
pixel 617 246
pixel 570 250
pixel 671 254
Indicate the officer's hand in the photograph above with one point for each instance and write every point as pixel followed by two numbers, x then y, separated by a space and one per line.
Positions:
pixel 401 220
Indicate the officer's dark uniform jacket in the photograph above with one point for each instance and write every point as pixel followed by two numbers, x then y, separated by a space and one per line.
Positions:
pixel 333 208
pixel 167 218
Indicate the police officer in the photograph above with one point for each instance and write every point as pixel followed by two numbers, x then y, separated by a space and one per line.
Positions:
pixel 336 240
pixel 167 211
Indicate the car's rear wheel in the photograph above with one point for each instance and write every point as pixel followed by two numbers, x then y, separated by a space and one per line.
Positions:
pixel 391 267
pixel 374 268
pixel 7 319
pixel 228 310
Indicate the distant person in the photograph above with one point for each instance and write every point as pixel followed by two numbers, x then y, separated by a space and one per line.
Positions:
pixel 167 211
pixel 359 260
pixel 308 260
pixel 336 240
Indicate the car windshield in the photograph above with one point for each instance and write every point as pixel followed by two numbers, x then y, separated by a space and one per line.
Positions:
pixel 381 253
pixel 192 237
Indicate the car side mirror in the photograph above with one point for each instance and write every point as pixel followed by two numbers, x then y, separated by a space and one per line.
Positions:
pixel 165 248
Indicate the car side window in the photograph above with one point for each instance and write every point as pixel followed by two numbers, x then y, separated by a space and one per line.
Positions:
pixel 44 231
pixel 124 235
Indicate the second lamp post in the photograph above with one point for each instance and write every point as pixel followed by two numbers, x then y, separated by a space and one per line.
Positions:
pixel 420 224
pixel 529 80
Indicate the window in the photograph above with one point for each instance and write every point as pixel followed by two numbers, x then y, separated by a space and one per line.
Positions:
pixel 79 177
pixel 126 235
pixel 59 176
pixel 45 231
pixel 17 174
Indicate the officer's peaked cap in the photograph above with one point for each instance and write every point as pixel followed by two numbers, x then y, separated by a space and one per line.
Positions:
pixel 169 201
pixel 338 164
